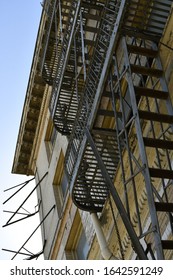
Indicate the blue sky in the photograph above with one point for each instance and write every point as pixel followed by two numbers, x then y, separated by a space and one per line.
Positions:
pixel 19 23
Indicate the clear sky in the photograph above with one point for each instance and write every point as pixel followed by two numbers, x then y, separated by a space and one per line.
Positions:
pixel 19 23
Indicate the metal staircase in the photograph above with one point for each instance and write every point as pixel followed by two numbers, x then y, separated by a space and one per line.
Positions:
pixel 90 189
pixel 78 142
pixel 131 82
pixel 145 128
pixel 49 54
pixel 91 164
pixel 63 58
pixel 147 17
pixel 73 63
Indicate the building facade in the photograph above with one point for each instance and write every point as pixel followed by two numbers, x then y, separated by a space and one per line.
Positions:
pixel 97 129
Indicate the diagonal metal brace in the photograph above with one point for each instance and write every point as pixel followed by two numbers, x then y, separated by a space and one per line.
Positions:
pixel 52 208
pixel 135 241
pixel 8 222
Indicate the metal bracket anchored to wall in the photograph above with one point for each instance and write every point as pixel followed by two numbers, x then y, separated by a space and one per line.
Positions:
pixel 26 214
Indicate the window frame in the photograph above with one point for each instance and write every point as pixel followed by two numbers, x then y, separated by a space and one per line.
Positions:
pixel 50 138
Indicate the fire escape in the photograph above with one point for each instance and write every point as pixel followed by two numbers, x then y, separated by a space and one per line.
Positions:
pixel 110 97
pixel 66 53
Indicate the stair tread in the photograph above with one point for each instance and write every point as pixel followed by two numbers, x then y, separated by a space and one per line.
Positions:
pixel 146 70
pixel 142 91
pixel 164 206
pixel 161 173
pixel 158 143
pixel 104 112
pixel 108 113
pixel 142 50
pixel 104 131
pixel 142 35
pixel 167 244
pixel 155 116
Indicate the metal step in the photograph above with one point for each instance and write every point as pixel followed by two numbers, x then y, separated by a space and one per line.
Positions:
pixel 108 113
pixel 158 143
pixel 167 244
pixel 155 117
pixel 104 131
pixel 146 71
pixel 164 206
pixel 161 173
pixel 142 91
pixel 142 51
pixel 141 57
pixel 140 34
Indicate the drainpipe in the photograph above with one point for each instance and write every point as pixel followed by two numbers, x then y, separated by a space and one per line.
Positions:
pixel 106 253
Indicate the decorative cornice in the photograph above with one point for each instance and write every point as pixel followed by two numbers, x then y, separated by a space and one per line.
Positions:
pixel 31 110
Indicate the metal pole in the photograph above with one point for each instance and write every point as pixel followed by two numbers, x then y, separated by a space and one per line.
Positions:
pixel 28 216
pixel 19 185
pixel 53 207
pixel 24 184
pixel 11 251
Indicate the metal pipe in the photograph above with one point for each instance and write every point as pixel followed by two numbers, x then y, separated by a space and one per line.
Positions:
pixel 105 251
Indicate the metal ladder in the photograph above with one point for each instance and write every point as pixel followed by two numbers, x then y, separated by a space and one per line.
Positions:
pixel 146 129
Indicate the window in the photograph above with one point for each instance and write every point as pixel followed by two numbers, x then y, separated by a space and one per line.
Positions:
pixel 82 246
pixel 77 246
pixel 50 138
pixel 64 184
pixel 60 183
